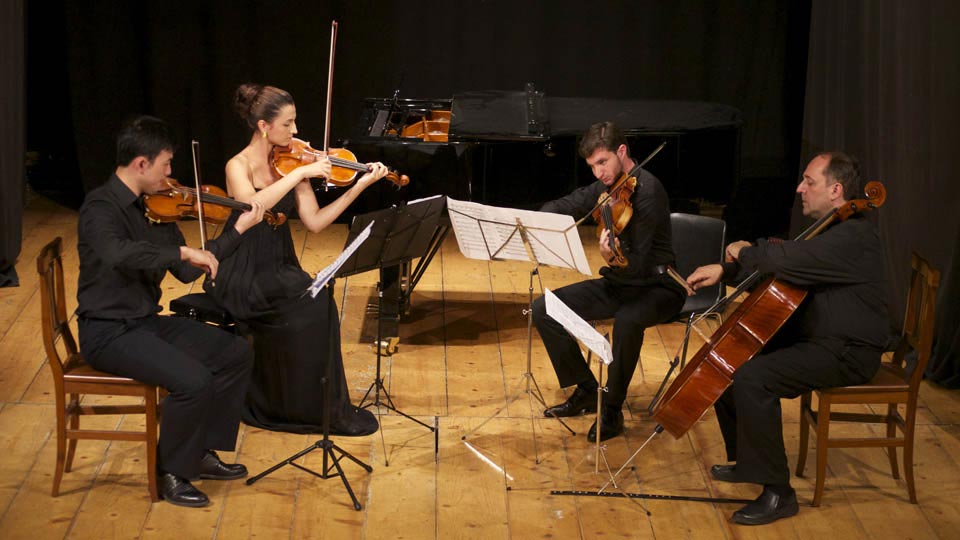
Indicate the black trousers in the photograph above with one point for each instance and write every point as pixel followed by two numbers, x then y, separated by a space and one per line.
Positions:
pixel 633 309
pixel 205 369
pixel 749 411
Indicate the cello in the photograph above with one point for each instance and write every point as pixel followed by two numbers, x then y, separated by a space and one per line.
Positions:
pixel 758 318
pixel 744 334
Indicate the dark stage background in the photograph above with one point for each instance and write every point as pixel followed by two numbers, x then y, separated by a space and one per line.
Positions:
pixel 882 84
pixel 104 60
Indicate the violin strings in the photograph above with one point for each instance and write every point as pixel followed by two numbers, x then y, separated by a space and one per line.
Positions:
pixel 347 164
pixel 224 201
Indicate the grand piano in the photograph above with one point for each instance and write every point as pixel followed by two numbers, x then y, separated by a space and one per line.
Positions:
pixel 519 149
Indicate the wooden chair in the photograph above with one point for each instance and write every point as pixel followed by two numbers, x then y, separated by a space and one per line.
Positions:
pixel 892 385
pixel 73 377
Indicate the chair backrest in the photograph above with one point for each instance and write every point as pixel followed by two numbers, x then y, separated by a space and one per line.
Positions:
pixel 698 241
pixel 917 333
pixel 53 312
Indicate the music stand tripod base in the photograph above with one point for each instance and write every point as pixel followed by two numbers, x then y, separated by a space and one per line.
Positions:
pixel 332 454
pixel 331 460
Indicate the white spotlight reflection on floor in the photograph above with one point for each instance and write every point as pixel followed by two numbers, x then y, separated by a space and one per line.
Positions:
pixel 487 460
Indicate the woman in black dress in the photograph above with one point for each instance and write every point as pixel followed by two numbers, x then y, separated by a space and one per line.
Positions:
pixel 262 285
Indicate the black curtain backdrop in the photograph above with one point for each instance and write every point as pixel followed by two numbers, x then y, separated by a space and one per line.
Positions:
pixel 883 84
pixel 182 61
pixel 12 136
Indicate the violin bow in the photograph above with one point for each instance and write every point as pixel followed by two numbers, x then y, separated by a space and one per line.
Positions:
pixel 195 150
pixel 326 127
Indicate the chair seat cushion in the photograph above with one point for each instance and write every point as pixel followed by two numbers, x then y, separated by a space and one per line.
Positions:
pixel 888 379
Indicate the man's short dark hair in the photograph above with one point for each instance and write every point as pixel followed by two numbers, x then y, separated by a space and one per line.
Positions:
pixel 145 136
pixel 605 135
pixel 844 169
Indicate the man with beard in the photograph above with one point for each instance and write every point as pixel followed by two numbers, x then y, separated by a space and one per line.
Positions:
pixel 634 287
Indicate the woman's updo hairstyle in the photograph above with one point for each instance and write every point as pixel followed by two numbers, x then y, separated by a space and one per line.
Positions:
pixel 255 102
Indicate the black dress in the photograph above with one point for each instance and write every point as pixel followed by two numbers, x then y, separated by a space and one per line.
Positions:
pixel 295 336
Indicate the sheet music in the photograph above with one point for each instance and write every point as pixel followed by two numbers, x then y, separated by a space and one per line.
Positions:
pixel 323 276
pixel 478 227
pixel 578 327
pixel 490 232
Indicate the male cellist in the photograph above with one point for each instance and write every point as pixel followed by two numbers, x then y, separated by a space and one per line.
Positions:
pixel 635 290
pixel 123 259
pixel 835 338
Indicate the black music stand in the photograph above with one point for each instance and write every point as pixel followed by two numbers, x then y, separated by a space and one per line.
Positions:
pixel 332 454
pixel 400 234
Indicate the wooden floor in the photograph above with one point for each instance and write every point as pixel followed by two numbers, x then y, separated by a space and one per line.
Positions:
pixel 461 355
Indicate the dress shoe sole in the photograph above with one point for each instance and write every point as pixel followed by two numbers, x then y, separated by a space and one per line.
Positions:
pixel 722 477
pixel 581 412
pixel 607 438
pixel 234 476
pixel 188 504
pixel 785 512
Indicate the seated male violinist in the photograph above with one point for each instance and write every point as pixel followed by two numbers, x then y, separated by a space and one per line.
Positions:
pixel 835 337
pixel 123 259
pixel 634 287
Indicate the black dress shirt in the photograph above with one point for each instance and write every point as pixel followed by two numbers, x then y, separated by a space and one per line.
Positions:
pixel 644 242
pixel 124 257
pixel 842 268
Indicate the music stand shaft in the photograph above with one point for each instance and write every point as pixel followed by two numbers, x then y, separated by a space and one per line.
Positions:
pixel 377 385
pixel 527 377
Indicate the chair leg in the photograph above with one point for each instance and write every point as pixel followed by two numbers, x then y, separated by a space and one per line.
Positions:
pixel 891 433
pixel 804 433
pixel 150 408
pixel 61 445
pixel 74 425
pixel 908 433
pixel 823 443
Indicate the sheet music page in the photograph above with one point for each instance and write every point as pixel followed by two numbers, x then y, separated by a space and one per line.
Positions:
pixel 323 276
pixel 555 241
pixel 483 230
pixel 578 327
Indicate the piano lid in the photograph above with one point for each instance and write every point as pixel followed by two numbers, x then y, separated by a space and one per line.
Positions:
pixel 493 115
pixel 530 115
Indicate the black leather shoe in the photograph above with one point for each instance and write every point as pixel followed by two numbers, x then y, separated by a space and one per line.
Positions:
pixel 180 491
pixel 580 402
pixel 726 473
pixel 354 422
pixel 611 424
pixel 211 468
pixel 768 508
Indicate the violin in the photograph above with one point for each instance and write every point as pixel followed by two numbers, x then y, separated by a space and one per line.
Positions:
pixel 179 201
pixel 613 213
pixel 344 170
